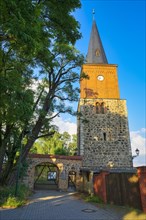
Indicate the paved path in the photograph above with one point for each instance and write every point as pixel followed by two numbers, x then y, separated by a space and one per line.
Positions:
pixel 54 205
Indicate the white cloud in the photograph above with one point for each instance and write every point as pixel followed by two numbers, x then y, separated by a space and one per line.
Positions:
pixel 36 83
pixel 138 140
pixel 143 130
pixel 63 126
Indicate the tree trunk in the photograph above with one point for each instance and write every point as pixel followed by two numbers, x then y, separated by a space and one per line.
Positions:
pixel 33 137
pixel 2 154
pixel 8 178
pixel 38 125
pixel 11 178
pixel 3 147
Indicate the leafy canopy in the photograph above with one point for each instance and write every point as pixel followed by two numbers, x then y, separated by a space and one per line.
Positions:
pixel 38 69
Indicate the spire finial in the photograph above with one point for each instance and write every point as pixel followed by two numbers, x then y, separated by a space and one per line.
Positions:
pixel 96 52
pixel 93 13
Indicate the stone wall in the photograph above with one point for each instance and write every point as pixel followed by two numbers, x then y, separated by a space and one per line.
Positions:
pixel 104 136
pixel 64 164
pixel 87 182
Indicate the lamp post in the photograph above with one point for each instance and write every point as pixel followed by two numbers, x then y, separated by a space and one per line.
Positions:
pixel 137 153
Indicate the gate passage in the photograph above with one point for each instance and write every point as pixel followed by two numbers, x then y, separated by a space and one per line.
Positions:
pixel 53 172
pixel 72 180
pixel 46 176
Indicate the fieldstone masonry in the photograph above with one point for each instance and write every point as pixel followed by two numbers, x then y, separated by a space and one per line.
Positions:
pixel 64 164
pixel 104 137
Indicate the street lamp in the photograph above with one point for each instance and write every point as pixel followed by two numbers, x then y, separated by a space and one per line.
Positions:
pixel 110 164
pixel 137 153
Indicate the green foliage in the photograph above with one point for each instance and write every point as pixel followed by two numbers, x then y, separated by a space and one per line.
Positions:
pixel 38 68
pixel 59 144
pixel 42 171
pixel 93 198
pixel 7 198
pixel 13 202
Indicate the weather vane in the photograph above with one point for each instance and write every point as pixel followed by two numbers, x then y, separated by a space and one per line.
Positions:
pixel 93 12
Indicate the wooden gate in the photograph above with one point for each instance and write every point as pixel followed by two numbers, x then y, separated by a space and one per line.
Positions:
pixel 72 180
pixel 123 189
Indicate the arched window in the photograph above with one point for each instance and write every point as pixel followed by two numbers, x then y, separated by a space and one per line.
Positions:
pixel 102 108
pixel 97 107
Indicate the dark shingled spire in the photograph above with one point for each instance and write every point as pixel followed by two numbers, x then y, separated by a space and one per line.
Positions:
pixel 96 52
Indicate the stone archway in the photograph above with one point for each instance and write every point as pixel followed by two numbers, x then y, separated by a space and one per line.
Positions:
pixel 64 164
pixel 46 176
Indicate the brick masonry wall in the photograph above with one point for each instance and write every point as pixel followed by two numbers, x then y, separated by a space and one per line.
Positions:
pixel 94 88
pixel 92 128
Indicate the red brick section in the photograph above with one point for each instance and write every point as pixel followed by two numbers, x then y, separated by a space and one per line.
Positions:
pixel 141 171
pixel 100 185
pixel 55 156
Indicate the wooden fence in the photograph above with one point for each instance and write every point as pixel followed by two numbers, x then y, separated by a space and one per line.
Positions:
pixel 123 189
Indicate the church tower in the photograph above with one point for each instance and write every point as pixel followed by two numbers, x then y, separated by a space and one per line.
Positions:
pixel 103 132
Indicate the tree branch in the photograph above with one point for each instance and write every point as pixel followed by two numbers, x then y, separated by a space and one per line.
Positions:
pixel 54 116
pixel 64 99
pixel 68 80
pixel 38 99
pixel 46 135
pixel 59 75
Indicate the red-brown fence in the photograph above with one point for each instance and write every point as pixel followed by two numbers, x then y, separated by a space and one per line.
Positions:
pixel 141 171
pixel 123 189
pixel 127 189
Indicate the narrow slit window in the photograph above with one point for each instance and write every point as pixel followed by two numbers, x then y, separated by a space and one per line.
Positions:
pixel 97 108
pixel 102 108
pixel 104 136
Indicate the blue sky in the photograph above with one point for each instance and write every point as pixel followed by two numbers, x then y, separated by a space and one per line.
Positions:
pixel 121 25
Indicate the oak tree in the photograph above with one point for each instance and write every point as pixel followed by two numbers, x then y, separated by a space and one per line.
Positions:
pixel 38 69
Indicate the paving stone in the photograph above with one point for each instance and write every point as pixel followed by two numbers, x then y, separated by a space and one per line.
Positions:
pixel 55 205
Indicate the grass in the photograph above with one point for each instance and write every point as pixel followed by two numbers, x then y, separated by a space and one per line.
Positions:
pixel 89 198
pixel 94 199
pixel 8 199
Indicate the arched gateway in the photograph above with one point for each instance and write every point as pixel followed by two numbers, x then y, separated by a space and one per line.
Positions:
pixel 53 171
pixel 46 176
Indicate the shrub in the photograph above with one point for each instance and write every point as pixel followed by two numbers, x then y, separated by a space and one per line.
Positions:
pixel 8 199
pixel 93 198
pixel 12 201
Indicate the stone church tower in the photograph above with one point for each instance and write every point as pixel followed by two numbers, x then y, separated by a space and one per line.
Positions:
pixel 103 133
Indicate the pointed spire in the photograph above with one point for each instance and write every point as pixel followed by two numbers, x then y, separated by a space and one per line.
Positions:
pixel 96 52
pixel 93 13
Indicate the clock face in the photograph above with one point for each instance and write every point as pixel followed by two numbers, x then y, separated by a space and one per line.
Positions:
pixel 100 78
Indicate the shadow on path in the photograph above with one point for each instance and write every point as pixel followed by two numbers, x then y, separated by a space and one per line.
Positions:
pixel 56 205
